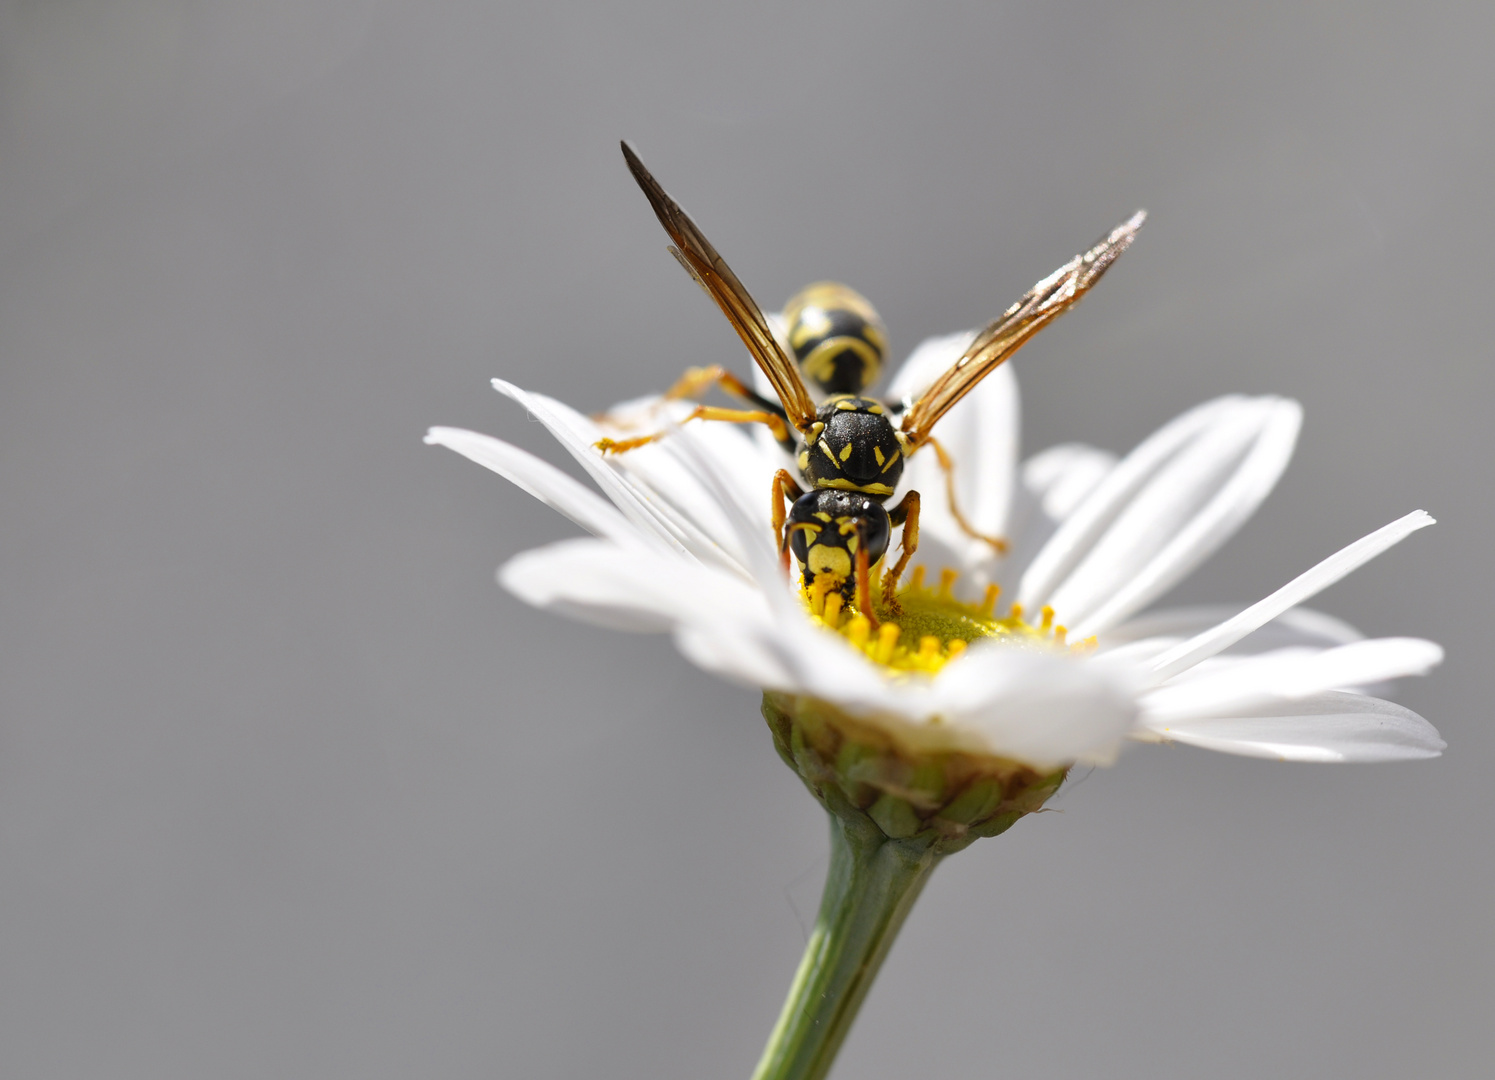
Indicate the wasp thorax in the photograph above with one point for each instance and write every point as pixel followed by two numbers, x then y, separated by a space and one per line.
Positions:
pixel 857 448
pixel 836 336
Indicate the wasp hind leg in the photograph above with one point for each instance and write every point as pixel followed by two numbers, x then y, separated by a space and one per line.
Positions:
pixel 906 513
pixel 998 543
pixel 697 380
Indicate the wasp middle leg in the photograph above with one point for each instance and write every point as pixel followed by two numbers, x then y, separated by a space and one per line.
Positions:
pixel 906 513
pixel 774 422
pixel 997 542
pixel 697 381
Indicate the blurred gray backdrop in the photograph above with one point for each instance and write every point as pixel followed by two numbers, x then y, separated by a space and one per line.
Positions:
pixel 290 788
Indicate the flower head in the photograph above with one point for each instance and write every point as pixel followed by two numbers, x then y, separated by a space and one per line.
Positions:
pixel 1037 657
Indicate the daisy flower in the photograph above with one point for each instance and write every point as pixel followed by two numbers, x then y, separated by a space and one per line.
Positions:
pixel 959 709
pixel 1041 657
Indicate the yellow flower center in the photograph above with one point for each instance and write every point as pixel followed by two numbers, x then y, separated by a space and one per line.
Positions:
pixel 930 626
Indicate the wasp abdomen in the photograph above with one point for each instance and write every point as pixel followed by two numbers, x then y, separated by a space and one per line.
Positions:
pixel 837 337
pixel 828 527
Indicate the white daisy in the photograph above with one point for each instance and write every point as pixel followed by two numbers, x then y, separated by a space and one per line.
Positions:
pixel 682 543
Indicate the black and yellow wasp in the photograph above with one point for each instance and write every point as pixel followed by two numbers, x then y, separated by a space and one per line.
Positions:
pixel 848 450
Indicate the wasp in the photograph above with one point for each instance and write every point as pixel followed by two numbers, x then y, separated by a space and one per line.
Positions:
pixel 850 448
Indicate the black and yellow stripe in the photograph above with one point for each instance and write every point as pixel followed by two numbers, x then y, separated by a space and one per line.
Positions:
pixel 837 337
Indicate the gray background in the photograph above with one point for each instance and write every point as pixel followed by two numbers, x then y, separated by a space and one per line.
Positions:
pixel 289 787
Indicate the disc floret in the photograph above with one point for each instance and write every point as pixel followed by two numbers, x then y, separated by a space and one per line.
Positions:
pixel 930 626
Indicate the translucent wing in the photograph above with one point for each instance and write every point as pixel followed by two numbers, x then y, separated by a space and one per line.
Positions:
pixel 1043 303
pixel 713 274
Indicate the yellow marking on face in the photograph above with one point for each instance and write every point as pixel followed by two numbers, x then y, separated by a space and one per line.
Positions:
pixel 877 453
pixel 824 559
pixel 892 459
pixel 826 447
pixel 846 451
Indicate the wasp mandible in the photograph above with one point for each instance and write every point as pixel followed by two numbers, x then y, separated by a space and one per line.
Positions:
pixel 849 451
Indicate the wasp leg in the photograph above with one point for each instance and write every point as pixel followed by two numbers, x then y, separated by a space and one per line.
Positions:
pixel 785 488
pixel 773 421
pixel 622 446
pixel 906 513
pixel 697 380
pixel 775 424
pixel 998 543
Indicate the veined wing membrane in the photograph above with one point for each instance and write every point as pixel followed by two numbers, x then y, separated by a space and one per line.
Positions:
pixel 1039 306
pixel 708 268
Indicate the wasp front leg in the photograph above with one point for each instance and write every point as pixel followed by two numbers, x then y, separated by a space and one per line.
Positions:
pixel 864 576
pixel 906 513
pixel 998 543
pixel 785 489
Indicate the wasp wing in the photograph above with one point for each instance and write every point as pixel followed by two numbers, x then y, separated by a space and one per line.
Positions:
pixel 713 274
pixel 1040 305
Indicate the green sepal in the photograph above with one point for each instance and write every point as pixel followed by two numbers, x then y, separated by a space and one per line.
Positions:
pixel 895 817
pixel 939 801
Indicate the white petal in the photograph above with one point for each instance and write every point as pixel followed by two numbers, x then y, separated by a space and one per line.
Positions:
pixel 1088 522
pixel 736 653
pixel 1051 484
pixel 1188 653
pixel 1061 476
pixel 1201 522
pixel 750 536
pixel 638 502
pixel 1045 709
pixel 542 480
pixel 625 589
pixel 1296 626
pixel 1189 505
pixel 1325 727
pixel 1289 674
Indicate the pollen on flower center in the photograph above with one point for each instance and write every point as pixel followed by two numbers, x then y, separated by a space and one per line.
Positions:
pixel 931 626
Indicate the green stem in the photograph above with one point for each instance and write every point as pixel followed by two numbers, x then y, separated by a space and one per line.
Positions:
pixel 871 885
